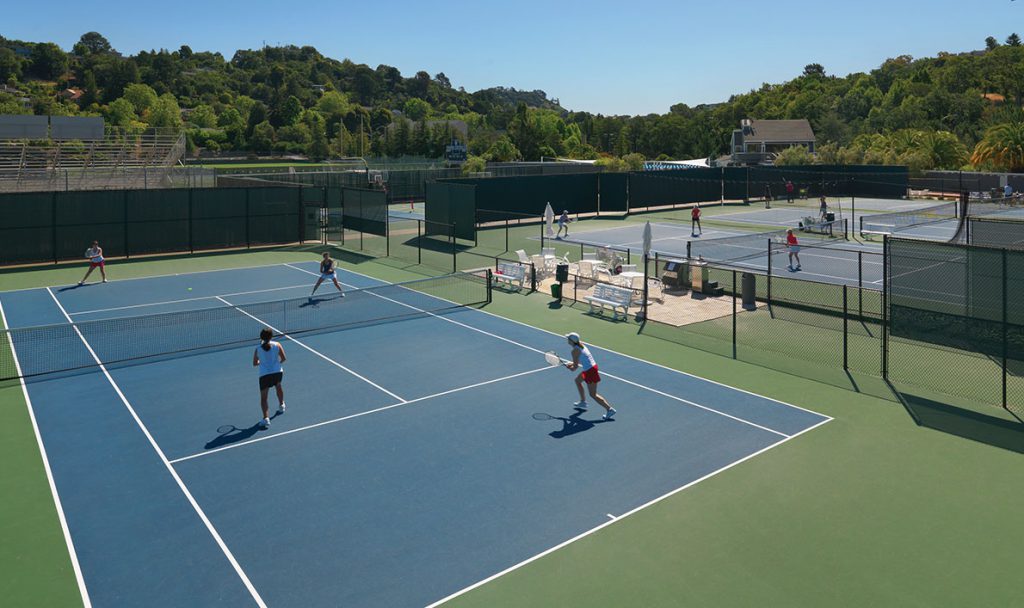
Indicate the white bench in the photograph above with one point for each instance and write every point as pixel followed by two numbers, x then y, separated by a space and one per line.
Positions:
pixel 513 274
pixel 610 296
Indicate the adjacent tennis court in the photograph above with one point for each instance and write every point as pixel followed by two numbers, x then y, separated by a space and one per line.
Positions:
pixel 427 445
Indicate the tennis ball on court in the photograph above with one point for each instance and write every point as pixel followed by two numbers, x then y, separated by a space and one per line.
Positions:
pixel 190 289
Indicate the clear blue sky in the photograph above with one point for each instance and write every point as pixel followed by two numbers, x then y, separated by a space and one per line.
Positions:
pixel 600 56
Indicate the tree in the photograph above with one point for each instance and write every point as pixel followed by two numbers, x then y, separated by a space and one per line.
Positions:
pixel 203 116
pixel 474 164
pixel 10 65
pixel 503 150
pixel 1002 148
pixel 991 43
pixel 288 112
pixel 48 61
pixel 165 113
pixel 91 43
pixel 416 109
pixel 121 113
pixel 89 88
pixel 794 155
pixel 443 80
pixel 141 96
pixel 1013 40
pixel 262 139
pixel 814 70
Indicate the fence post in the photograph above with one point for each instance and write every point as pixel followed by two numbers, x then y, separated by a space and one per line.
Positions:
pixel 733 314
pixel 489 286
pixel 506 235
pixel 643 306
pixel 885 307
pixel 191 242
pixel 53 223
pixel 124 204
pixel 860 284
pixel 419 242
pixel 846 332
pixel 533 278
pixel 769 275
pixel 451 243
pixel 247 212
pixel 1005 323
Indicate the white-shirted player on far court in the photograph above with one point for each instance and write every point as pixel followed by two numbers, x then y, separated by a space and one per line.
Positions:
pixel 268 357
pixel 582 359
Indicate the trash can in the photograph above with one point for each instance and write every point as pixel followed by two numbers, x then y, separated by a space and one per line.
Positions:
pixel 747 291
pixel 562 273
pixel 556 291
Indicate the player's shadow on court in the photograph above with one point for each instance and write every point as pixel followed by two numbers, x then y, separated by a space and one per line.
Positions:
pixel 571 425
pixel 229 433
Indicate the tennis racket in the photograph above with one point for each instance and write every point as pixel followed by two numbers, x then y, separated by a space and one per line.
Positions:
pixel 543 416
pixel 552 359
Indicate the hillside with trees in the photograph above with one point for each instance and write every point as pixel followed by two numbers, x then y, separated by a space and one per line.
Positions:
pixel 949 111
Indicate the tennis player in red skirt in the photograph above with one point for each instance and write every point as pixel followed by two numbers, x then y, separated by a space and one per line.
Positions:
pixel 582 359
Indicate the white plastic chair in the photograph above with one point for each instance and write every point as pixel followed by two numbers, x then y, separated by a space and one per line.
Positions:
pixel 629 268
pixel 590 256
pixel 539 264
pixel 523 258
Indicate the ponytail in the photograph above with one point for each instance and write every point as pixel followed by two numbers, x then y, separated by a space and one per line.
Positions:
pixel 265 335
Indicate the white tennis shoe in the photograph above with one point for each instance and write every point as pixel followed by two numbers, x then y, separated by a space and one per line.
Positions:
pixel 580 405
pixel 265 423
pixel 280 410
pixel 608 415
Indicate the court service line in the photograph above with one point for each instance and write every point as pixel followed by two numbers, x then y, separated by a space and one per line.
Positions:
pixel 615 352
pixel 315 352
pixel 196 299
pixel 49 472
pixel 359 414
pixel 521 345
pixel 620 517
pixel 163 458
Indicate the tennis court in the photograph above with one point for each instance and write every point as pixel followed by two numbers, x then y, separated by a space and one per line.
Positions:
pixel 824 258
pixel 426 446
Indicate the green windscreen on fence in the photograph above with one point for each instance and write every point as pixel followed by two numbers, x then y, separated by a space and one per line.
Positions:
pixel 996 232
pixel 613 189
pixel 674 187
pixel 452 204
pixel 158 220
pixel 84 217
pixel 573 192
pixel 218 218
pixel 274 215
pixel 365 210
pixel 26 228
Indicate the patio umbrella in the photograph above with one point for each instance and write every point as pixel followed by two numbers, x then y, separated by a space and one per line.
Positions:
pixel 647 239
pixel 549 219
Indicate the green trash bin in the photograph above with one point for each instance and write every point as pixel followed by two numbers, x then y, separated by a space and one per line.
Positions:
pixel 556 291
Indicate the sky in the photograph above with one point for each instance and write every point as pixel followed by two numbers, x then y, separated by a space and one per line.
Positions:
pixel 608 57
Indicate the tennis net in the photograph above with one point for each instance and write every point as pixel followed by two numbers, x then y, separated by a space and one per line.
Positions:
pixel 888 223
pixel 746 246
pixel 60 348
pixel 982 206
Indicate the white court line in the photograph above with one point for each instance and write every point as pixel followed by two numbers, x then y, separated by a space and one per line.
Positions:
pixel 619 518
pixel 213 297
pixel 615 352
pixel 163 458
pixel 49 473
pixel 315 352
pixel 360 414
pixel 153 276
pixel 519 344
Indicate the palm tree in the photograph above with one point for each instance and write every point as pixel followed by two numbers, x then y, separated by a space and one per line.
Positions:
pixel 1002 147
pixel 943 149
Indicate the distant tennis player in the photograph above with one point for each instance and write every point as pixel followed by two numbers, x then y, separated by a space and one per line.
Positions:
pixel 95 256
pixel 327 271
pixel 583 360
pixel 790 191
pixel 794 249
pixel 268 357
pixel 695 228
pixel 822 207
pixel 563 223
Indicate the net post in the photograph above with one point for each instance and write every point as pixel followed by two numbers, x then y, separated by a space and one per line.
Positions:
pixel 734 314
pixel 490 285
pixel 688 250
pixel 1004 332
pixel 628 257
pixel 846 331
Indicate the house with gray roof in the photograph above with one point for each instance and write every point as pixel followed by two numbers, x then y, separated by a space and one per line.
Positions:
pixel 757 142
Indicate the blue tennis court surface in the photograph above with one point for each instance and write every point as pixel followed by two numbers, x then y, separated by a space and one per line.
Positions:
pixel 840 262
pixel 409 466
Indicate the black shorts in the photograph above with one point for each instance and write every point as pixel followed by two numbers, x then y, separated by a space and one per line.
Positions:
pixel 270 380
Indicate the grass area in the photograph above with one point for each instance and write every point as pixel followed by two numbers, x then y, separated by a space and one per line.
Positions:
pixel 890 504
